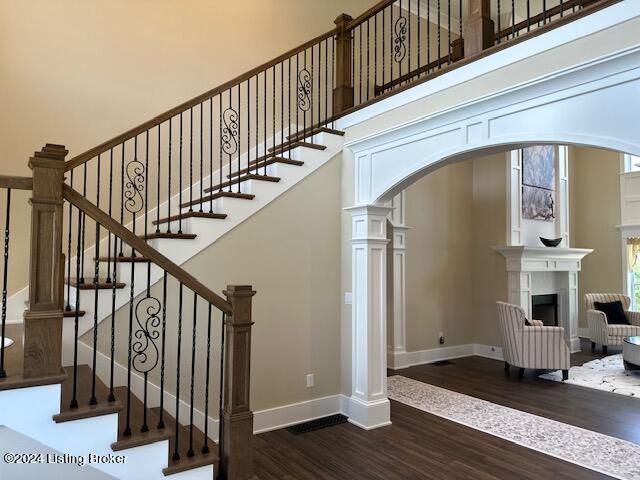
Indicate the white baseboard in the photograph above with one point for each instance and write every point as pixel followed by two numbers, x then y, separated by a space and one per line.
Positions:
pixel 263 420
pixel 399 360
pixel 292 414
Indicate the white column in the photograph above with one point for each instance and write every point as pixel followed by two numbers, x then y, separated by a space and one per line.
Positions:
pixel 568 312
pixel 368 405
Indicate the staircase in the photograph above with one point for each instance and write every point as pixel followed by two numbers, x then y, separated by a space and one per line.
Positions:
pixel 121 350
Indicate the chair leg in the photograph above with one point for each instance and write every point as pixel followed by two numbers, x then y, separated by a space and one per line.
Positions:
pixel 521 373
pixel 593 346
pixel 506 367
pixel 565 375
pixel 604 349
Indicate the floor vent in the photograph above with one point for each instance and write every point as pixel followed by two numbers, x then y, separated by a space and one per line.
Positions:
pixel 441 363
pixel 317 424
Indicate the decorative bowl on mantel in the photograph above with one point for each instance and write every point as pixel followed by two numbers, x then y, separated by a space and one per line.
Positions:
pixel 550 242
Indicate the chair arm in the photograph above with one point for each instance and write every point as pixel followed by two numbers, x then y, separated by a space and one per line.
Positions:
pixel 633 317
pixel 597 321
pixel 536 323
pixel 545 347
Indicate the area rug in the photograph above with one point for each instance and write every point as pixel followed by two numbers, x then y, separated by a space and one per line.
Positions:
pixel 595 451
pixel 606 373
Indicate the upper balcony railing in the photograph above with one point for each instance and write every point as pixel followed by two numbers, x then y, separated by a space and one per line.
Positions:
pixel 183 159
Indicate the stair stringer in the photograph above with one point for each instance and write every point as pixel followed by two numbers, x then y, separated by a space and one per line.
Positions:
pixel 207 230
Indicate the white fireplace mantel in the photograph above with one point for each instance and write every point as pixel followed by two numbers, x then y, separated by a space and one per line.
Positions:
pixel 523 263
pixel 542 259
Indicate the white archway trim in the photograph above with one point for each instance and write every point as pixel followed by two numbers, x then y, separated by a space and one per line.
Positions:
pixel 591 104
pixel 368 404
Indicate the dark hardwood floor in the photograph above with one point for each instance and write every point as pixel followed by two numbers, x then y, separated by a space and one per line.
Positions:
pixel 422 446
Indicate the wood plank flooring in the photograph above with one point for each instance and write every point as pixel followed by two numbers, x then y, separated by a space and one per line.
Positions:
pixel 422 446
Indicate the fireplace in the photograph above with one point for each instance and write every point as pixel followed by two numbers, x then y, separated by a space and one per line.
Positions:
pixel 545 308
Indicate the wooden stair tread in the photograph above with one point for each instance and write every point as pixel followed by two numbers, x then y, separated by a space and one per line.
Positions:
pixel 102 284
pixel 185 462
pixel 261 164
pixel 72 313
pixel 220 194
pixel 244 178
pixel 137 437
pixel 174 218
pixel 296 144
pixel 176 236
pixel 83 394
pixel 309 132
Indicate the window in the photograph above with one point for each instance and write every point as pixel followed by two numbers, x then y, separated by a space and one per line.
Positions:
pixel 633 252
pixel 631 164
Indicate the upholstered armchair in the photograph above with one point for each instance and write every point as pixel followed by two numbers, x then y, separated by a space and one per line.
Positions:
pixel 600 331
pixel 536 346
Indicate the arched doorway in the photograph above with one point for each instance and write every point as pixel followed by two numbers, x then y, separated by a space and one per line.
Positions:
pixel 594 105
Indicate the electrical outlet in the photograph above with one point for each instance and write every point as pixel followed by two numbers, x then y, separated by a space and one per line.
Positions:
pixel 348 298
pixel 441 339
pixel 310 380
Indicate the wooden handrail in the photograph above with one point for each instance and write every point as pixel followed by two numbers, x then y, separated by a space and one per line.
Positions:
pixel 141 246
pixel 163 117
pixel 19 183
pixel 373 11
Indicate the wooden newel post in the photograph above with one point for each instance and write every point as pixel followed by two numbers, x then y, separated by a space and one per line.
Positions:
pixel 43 319
pixel 236 462
pixel 343 90
pixel 478 29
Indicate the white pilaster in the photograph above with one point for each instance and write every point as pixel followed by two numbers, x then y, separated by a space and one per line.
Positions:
pixel 368 405
pixel 396 341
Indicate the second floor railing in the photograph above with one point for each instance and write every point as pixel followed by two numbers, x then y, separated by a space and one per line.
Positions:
pixel 177 164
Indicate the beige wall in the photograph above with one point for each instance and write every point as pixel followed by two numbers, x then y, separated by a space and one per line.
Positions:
pixel 293 266
pixel 439 253
pixel 489 229
pixel 594 200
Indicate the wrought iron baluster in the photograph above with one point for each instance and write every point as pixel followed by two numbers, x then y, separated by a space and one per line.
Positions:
pixel 158 184
pixel 127 429
pixel 84 193
pixel 93 400
pixel 222 379
pixel 176 453
pixel 122 193
pixel 448 32
pixel 191 159
pixel 161 424
pixel 205 448
pixel 190 452
pixel 5 265
pixel 439 39
pixel 180 179
pixel 74 392
pixel 513 18
pixel 112 396
pixel 201 156
pixel 169 155
pixel 144 351
pixel 499 20
pixel 110 210
pixel 211 153
pixel 68 306
pixel 239 152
